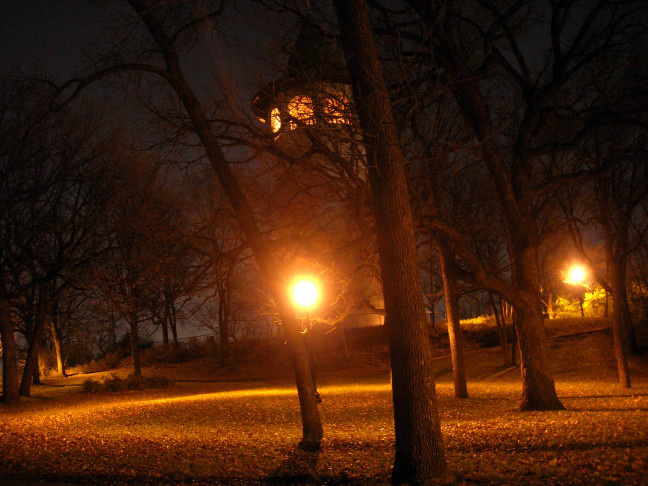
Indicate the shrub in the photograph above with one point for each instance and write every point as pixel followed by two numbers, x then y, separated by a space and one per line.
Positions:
pixel 91 386
pixel 117 384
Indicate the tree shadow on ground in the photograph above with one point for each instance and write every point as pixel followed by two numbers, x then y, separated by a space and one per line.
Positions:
pixel 298 467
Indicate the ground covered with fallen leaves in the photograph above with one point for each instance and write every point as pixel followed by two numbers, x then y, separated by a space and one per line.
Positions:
pixel 228 432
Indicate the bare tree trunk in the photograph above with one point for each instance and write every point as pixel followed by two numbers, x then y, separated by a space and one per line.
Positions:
pixel 515 321
pixel 39 369
pixel 223 325
pixel 173 325
pixel 454 325
pixel 134 342
pixel 619 318
pixel 9 359
pixel 420 455
pixel 242 211
pixel 56 339
pixel 501 330
pixel 31 361
pixel 165 326
pixel 344 344
pixel 538 387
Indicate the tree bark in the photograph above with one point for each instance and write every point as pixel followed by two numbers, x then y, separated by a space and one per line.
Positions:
pixel 242 211
pixel 538 387
pixel 10 391
pixel 420 455
pixel 31 361
pixel 454 324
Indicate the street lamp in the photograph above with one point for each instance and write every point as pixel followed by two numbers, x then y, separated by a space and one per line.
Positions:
pixel 576 275
pixel 305 294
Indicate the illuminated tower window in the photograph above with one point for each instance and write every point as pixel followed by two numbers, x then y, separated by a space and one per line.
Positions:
pixel 335 109
pixel 301 108
pixel 275 120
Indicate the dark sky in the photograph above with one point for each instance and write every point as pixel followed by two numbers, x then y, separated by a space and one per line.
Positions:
pixel 53 37
pixel 46 35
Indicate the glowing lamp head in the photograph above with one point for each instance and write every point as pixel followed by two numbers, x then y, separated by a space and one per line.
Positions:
pixel 305 292
pixel 576 275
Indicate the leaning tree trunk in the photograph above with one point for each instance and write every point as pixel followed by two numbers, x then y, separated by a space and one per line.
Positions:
pixel 454 325
pixel 538 387
pixel 134 342
pixel 31 361
pixel 10 392
pixel 245 217
pixel 420 455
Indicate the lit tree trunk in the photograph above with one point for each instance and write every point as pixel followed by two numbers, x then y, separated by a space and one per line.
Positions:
pixel 242 211
pixel 454 325
pixel 134 342
pixel 501 330
pixel 56 339
pixel 420 455
pixel 31 361
pixel 9 358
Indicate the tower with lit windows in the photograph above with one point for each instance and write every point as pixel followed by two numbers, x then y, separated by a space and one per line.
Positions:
pixel 308 113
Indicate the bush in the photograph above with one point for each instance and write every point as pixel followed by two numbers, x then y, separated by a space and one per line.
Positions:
pixel 91 386
pixel 117 384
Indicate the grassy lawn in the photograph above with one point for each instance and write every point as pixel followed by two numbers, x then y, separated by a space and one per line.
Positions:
pixel 245 433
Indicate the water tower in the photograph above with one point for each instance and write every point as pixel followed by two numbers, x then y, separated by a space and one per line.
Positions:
pixel 308 113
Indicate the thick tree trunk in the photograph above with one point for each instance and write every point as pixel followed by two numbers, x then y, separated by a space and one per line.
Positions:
pixel 242 211
pixel 420 455
pixel 501 330
pixel 538 387
pixel 134 343
pixel 10 392
pixel 454 325
pixel 31 361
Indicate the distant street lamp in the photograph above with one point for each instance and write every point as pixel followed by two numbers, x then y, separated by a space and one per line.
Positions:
pixel 305 294
pixel 576 276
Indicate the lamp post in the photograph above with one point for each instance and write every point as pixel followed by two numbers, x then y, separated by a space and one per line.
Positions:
pixel 306 294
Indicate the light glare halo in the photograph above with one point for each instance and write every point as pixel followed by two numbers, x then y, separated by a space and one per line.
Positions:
pixel 305 293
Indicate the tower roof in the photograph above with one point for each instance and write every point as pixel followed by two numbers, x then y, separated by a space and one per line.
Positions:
pixel 315 57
